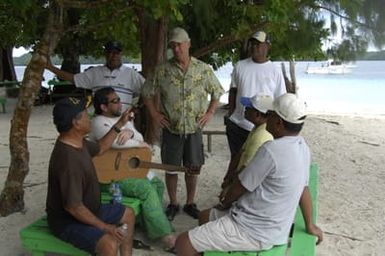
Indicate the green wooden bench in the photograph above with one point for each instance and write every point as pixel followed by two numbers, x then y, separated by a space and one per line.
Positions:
pixel 301 243
pixel 38 239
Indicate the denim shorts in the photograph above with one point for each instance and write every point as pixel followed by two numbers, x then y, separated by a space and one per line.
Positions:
pixel 86 237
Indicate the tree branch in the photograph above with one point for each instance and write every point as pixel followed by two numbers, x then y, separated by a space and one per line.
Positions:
pixel 338 14
pixel 223 41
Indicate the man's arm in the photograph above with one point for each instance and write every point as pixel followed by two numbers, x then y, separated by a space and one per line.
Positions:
pixel 60 73
pixel 307 212
pixel 232 170
pixel 106 141
pixel 158 117
pixel 232 100
pixel 235 191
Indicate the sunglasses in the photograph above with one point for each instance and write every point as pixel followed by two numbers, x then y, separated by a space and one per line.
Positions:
pixel 115 100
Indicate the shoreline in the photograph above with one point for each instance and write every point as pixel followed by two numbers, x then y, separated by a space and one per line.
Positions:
pixel 350 151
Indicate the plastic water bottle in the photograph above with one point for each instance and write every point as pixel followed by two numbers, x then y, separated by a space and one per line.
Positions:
pixel 123 229
pixel 116 193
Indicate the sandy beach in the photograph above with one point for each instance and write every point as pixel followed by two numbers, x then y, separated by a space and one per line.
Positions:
pixel 349 150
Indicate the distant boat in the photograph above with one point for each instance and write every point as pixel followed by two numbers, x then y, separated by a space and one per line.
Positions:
pixel 330 67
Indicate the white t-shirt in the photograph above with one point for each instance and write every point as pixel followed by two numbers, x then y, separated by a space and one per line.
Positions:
pixel 274 180
pixel 251 78
pixel 100 125
pixel 126 81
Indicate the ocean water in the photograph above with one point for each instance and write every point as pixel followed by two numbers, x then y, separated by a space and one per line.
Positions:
pixel 360 92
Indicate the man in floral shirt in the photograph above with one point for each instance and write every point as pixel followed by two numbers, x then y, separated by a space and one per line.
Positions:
pixel 183 84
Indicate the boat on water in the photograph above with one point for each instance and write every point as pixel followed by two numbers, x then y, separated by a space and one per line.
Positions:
pixel 330 67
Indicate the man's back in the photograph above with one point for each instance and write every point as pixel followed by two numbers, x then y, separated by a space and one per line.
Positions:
pixel 275 179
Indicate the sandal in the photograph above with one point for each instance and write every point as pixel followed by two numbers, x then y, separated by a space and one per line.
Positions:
pixel 137 244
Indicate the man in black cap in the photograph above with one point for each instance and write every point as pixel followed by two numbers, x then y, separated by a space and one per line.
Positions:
pixel 73 207
pixel 126 81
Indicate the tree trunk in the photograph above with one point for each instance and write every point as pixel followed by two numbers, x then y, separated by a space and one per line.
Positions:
pixel 7 69
pixel 153 45
pixel 12 196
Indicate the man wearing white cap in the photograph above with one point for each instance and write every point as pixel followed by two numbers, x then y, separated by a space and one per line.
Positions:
pixel 183 84
pixel 263 200
pixel 256 74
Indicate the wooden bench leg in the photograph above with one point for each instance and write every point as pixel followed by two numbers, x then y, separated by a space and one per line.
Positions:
pixel 209 143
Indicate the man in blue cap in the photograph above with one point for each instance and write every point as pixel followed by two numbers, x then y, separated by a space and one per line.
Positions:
pixel 74 211
pixel 126 81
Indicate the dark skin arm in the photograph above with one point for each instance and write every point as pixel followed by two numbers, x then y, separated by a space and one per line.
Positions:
pixel 232 170
pixel 307 212
pixel 235 191
pixel 232 100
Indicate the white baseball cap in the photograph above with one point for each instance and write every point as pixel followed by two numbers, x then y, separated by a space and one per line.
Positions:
pixel 261 36
pixel 179 35
pixel 258 102
pixel 290 108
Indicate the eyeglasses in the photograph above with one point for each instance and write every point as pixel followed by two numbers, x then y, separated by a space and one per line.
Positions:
pixel 115 100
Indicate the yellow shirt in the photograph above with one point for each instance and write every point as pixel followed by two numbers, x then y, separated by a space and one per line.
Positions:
pixel 256 138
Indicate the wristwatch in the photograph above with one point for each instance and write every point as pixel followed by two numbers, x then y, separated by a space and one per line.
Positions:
pixel 116 129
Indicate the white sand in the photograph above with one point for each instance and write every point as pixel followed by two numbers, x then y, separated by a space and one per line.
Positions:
pixel 349 150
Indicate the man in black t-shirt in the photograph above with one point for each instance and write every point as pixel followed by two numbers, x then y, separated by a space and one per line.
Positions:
pixel 74 211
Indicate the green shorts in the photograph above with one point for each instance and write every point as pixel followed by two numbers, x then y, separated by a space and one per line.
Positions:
pixel 186 149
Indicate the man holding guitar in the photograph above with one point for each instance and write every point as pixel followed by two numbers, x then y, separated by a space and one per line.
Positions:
pixel 108 109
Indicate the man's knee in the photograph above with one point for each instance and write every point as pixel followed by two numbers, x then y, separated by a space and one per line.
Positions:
pixel 107 245
pixel 128 216
pixel 183 245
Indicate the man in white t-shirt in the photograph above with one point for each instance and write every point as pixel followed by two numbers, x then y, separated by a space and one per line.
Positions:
pixel 254 75
pixel 260 206
pixel 126 81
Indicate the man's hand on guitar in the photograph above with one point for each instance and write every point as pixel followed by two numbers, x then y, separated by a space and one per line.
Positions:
pixel 124 136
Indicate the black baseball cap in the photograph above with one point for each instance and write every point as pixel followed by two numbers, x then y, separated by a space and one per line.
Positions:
pixel 113 45
pixel 66 110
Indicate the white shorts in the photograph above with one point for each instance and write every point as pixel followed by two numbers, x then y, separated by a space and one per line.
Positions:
pixel 222 234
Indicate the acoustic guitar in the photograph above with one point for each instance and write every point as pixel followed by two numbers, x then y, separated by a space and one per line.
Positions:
pixel 117 164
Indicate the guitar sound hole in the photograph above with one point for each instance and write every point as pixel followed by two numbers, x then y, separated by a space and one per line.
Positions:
pixel 134 162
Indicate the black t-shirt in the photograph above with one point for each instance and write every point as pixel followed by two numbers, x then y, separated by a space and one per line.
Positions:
pixel 71 180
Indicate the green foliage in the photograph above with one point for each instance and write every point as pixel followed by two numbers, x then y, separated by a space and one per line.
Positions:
pixel 298 28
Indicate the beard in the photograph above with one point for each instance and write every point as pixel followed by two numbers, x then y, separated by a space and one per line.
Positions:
pixel 117 113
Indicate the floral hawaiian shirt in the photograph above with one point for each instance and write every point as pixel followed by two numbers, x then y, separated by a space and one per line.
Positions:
pixel 183 96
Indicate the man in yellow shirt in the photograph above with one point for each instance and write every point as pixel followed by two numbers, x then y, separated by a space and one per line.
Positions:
pixel 255 113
